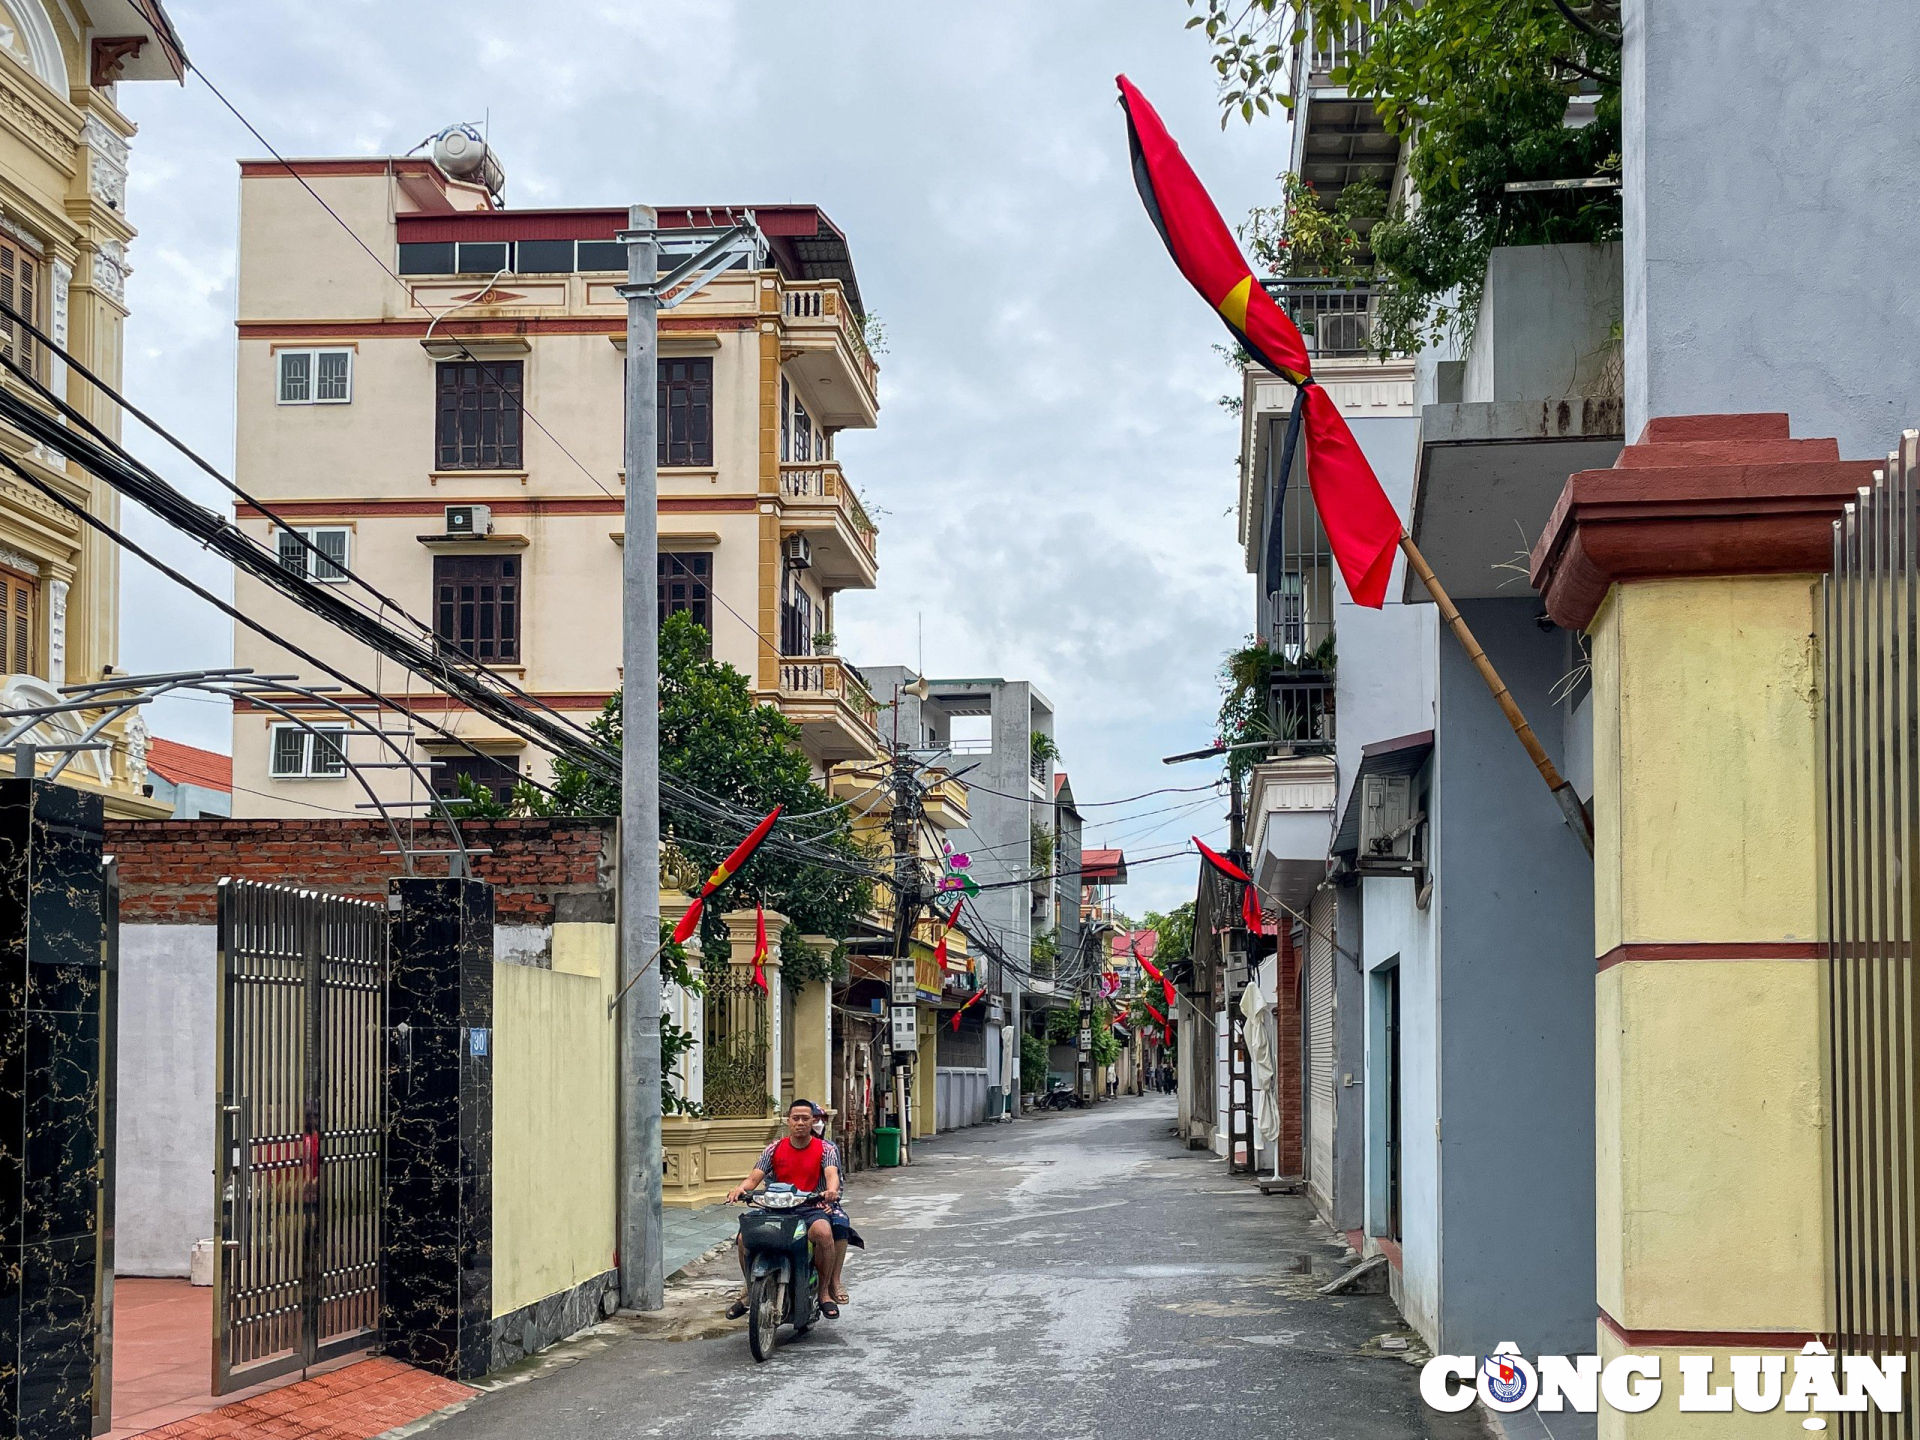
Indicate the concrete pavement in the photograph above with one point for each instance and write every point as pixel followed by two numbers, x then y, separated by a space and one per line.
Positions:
pixel 1067 1275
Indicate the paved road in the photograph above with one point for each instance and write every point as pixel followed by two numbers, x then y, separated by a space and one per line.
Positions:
pixel 1064 1276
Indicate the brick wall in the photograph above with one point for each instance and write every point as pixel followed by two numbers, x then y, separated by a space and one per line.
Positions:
pixel 1287 1057
pixel 543 870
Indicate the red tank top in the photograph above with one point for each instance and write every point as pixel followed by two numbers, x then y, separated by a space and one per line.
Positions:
pixel 802 1167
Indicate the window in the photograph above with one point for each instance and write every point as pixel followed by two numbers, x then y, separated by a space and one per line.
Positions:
pixel 477 606
pixel 602 255
pixel 315 377
pixel 302 754
pixel 330 540
pixel 19 288
pixel 496 774
pixel 786 420
pixel 477 420
pixel 796 619
pixel 485 257
pixel 802 431
pixel 686 578
pixel 544 257
pixel 20 596
pixel 686 411
pixel 433 258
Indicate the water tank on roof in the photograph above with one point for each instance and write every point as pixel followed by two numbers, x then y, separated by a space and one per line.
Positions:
pixel 464 154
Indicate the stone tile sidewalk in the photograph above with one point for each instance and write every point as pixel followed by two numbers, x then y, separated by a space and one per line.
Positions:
pixel 356 1403
pixel 691 1233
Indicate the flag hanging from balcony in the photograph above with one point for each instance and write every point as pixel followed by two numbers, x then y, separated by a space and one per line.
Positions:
pixel 759 946
pixel 723 872
pixel 1362 527
pixel 1154 972
pixel 1249 894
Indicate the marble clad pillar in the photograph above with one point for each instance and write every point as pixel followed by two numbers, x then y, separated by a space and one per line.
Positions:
pixel 437 1216
pixel 52 1047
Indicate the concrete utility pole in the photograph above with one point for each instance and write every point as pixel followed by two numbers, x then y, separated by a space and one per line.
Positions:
pixel 642 1251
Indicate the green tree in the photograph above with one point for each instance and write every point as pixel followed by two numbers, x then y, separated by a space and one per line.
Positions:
pixel 1174 949
pixel 717 739
pixel 1480 88
pixel 1034 1062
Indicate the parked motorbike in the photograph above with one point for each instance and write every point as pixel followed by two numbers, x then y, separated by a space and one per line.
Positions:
pixel 779 1266
pixel 1063 1097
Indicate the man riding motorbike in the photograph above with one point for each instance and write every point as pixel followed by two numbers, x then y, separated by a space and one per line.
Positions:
pixel 809 1164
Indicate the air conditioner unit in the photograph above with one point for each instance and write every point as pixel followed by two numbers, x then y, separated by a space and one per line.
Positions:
pixel 797 550
pixel 469 520
pixel 1388 823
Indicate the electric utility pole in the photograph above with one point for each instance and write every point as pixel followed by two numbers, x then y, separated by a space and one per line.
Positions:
pixel 642 1251
pixel 903 822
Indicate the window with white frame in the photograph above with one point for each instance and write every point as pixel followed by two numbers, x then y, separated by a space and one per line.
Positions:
pixel 297 544
pixel 303 754
pixel 314 377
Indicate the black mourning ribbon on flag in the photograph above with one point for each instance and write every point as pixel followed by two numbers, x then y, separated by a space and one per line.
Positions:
pixel 1275 557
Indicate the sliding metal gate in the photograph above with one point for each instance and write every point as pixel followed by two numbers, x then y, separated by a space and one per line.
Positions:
pixel 302 1074
pixel 1872 692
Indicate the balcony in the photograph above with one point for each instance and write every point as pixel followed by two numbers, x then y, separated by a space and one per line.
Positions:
pixel 1290 824
pixel 823 341
pixel 817 501
pixel 1335 315
pixel 1300 707
pixel 836 715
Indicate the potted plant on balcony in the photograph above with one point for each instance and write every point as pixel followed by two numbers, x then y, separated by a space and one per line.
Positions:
pixel 823 642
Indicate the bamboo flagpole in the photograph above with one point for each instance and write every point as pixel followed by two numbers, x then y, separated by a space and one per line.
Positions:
pixel 1564 795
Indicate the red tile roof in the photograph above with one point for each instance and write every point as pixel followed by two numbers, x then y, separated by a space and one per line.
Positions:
pixel 185 765
pixel 1136 944
pixel 1108 867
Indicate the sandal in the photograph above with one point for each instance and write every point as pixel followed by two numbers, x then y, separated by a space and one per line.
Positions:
pixel 840 1296
pixel 736 1310
pixel 829 1309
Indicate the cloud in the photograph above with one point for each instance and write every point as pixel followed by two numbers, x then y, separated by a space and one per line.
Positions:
pixel 1051 465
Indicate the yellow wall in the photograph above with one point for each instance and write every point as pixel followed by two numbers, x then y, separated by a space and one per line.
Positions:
pixel 1666 1419
pixel 1708 740
pixel 1712 1213
pixel 924 1077
pixel 1711 1143
pixel 553 1120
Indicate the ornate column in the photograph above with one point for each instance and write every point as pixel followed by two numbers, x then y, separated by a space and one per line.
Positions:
pixel 1693 566
pixel 813 1027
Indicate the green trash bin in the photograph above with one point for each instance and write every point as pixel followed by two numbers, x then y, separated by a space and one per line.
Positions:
pixel 886 1145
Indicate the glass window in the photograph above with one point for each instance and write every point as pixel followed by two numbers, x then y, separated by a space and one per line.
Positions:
pixel 686 410
pixel 602 255
pixel 330 540
pixel 298 753
pixel 477 421
pixel 496 774
pixel 296 377
pixel 433 258
pixel 314 377
pixel 477 606
pixel 686 580
pixel 544 257
pixel 485 257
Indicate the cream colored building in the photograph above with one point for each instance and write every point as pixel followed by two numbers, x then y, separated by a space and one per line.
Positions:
pixel 452 431
pixel 64 238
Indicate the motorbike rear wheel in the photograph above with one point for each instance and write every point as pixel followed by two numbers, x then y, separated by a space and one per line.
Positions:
pixel 766 1306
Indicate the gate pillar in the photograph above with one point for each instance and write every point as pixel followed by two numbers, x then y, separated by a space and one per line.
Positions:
pixel 53 1040
pixel 1694 568
pixel 437 1213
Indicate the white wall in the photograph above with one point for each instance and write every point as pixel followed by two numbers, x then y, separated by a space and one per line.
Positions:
pixel 163 1176
pixel 1395 929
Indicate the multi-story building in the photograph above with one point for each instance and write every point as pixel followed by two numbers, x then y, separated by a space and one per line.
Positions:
pixel 444 416
pixel 64 238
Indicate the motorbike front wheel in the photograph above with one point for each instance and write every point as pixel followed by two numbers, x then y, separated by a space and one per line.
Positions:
pixel 766 1305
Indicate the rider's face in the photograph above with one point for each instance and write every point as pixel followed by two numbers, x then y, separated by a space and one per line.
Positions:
pixel 800 1122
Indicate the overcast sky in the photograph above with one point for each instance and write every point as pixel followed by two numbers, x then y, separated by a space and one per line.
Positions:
pixel 1053 477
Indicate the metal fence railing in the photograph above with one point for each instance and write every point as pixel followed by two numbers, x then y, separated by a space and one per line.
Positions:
pixel 1337 315
pixel 1871 688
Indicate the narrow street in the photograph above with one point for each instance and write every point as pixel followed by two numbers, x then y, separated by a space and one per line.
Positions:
pixel 1069 1275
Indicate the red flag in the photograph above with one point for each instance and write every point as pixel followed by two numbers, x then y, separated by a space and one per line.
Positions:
pixel 759 946
pixel 1166 1025
pixel 1362 527
pixel 1154 972
pixel 940 948
pixel 965 1006
pixel 722 873
pixel 1249 897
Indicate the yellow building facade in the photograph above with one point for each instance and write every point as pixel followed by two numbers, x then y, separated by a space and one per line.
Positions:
pixel 445 418
pixel 64 240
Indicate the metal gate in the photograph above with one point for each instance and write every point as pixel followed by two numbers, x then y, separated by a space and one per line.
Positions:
pixel 1872 712
pixel 1319 1067
pixel 302 1092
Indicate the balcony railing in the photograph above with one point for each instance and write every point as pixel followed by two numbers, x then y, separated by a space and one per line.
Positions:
pixel 809 304
pixel 827 677
pixel 823 480
pixel 1336 316
pixel 1348 42
pixel 1300 709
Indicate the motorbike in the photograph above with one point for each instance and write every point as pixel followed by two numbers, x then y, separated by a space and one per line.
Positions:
pixel 779 1266
pixel 1063 1097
